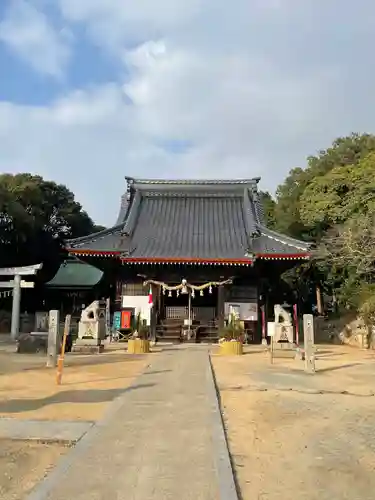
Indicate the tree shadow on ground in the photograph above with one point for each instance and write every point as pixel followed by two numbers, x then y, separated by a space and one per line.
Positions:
pixel 255 351
pixel 97 380
pixel 14 363
pixel 85 396
pixel 327 353
pixel 340 367
pixel 154 372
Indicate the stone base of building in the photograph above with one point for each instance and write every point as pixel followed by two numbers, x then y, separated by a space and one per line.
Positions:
pixel 87 346
pixel 32 343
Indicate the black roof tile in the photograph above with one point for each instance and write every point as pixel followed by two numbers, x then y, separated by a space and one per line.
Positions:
pixel 184 220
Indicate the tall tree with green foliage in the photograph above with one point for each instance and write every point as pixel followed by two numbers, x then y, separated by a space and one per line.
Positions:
pixel 336 184
pixel 269 205
pixel 35 216
pixel 347 252
pixel 341 203
pixel 342 193
pixel 294 191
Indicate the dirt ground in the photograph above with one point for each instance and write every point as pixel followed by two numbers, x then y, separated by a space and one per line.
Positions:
pixel 293 435
pixel 23 465
pixel 28 389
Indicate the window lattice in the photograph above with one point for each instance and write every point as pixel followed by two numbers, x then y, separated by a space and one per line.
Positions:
pixel 134 289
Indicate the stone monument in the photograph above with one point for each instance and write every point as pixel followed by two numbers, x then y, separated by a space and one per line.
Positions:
pixel 283 333
pixel 53 338
pixel 91 329
pixel 308 335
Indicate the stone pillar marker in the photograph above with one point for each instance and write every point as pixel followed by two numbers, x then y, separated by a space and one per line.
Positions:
pixel 53 338
pixel 16 305
pixel 308 335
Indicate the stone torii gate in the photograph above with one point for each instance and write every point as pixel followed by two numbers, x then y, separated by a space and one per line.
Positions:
pixel 17 284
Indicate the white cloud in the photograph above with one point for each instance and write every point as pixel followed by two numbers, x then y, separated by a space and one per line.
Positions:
pixel 29 33
pixel 250 87
pixel 114 22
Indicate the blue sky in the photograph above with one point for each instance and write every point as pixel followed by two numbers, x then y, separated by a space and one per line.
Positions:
pixel 93 90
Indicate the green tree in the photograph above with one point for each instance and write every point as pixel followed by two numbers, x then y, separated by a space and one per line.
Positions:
pixel 287 209
pixel 269 205
pixel 340 194
pixel 35 216
pixel 347 252
pixel 345 152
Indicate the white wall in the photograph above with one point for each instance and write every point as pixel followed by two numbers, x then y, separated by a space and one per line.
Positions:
pixel 140 304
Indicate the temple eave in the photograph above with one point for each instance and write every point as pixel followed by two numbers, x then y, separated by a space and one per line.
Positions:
pixel 286 256
pixel 188 260
pixel 93 253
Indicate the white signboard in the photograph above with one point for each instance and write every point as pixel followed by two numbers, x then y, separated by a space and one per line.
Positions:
pixel 140 305
pixel 247 311
pixel 271 328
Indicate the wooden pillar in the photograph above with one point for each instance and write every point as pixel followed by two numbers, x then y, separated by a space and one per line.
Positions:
pixel 153 318
pixel 296 322
pixel 263 309
pixel 319 303
pixel 264 324
pixel 118 295
pixel 220 306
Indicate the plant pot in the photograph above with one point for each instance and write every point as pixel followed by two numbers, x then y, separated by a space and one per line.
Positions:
pixel 231 348
pixel 138 346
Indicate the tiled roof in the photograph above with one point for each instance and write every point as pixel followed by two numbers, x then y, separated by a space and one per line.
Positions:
pixel 196 227
pixel 197 220
pixel 75 274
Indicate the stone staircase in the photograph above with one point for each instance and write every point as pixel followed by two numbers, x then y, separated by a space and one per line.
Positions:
pixel 169 330
pixel 208 333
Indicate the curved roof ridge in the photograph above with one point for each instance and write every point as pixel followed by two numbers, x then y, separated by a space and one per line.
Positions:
pixel 284 238
pixel 98 234
pixel 193 182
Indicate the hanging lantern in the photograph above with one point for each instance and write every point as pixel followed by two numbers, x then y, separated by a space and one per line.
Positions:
pixel 170 293
pixel 193 293
pixel 184 287
pixel 178 293
pixel 210 289
pixel 163 290
pixel 201 293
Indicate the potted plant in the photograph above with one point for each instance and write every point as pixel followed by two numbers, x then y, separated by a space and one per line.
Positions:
pixel 231 342
pixel 139 343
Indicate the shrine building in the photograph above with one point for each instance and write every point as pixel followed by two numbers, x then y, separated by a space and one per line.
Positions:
pixel 201 247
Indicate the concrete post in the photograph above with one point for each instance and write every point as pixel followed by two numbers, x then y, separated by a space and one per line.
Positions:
pixel 308 334
pixel 53 338
pixel 16 307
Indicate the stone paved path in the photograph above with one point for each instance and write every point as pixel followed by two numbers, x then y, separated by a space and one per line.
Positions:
pixel 43 430
pixel 160 444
